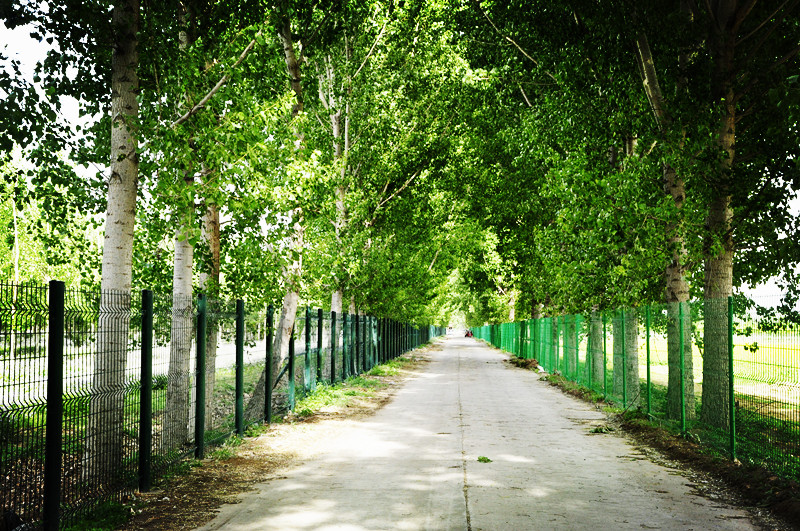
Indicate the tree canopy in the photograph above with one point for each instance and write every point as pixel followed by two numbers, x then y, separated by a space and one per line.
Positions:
pixel 448 161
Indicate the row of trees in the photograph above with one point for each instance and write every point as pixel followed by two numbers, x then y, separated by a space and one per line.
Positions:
pixel 265 150
pixel 657 145
pixel 448 161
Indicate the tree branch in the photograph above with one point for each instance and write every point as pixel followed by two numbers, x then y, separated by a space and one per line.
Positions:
pixel 509 39
pixel 415 174
pixel 650 81
pixel 372 49
pixel 525 96
pixel 742 13
pixel 763 23
pixel 197 108
pixel 791 54
pixel 769 32
pixel 385 187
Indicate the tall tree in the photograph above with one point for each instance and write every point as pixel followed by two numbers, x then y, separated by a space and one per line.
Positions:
pixel 104 445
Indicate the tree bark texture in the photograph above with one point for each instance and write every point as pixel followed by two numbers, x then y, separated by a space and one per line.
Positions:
pixel 209 284
pixel 676 284
pixel 176 417
pixel 719 247
pixel 674 404
pixel 104 433
pixel 633 387
pixel 618 341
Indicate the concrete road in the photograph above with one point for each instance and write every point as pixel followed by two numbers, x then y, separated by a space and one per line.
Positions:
pixel 414 465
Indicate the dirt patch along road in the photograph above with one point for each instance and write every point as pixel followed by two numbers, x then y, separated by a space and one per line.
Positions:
pixel 471 443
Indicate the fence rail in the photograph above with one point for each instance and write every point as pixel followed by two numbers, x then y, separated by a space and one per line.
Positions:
pixel 102 392
pixel 660 359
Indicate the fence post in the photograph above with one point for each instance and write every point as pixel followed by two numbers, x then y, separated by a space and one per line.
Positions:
pixel 379 339
pixel 559 348
pixel 307 354
pixel 371 335
pixel 624 361
pixel 239 412
pixel 334 341
pixel 356 343
pixel 320 328
pixel 605 358
pixel 291 371
pixel 200 378
pixel 268 366
pixel 681 369
pixel 731 397
pixel 345 363
pixel 365 344
pixel 589 364
pixel 647 328
pixel 146 395
pixel 577 319
pixel 55 406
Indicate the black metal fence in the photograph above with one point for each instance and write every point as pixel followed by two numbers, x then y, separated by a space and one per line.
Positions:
pixel 102 392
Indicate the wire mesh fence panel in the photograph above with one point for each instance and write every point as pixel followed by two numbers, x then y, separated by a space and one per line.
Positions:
pixel 101 399
pixel 220 370
pixel 23 384
pixel 595 360
pixel 766 364
pixel 325 369
pixel 174 361
pixel 256 348
pixel 712 336
pixel 137 383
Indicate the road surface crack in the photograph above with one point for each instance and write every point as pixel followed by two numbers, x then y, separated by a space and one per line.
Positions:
pixel 463 447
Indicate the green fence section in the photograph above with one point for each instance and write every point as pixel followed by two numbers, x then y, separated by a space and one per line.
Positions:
pixel 658 358
pixel 101 392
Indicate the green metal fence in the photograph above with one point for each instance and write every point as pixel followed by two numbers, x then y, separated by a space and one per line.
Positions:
pixel 102 392
pixel 660 359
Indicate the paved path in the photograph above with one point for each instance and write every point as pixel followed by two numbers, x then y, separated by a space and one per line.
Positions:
pixel 414 465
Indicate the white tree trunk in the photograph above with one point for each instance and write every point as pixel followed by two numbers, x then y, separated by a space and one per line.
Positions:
pixel 12 346
pixel 336 302
pixel 283 332
pixel 104 433
pixel 176 419
pixel 633 386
